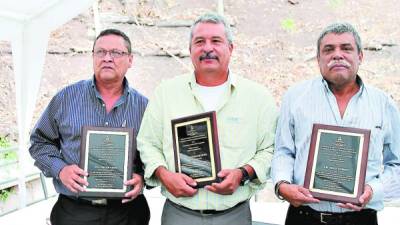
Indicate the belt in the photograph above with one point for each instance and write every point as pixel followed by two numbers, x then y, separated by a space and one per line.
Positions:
pixel 206 211
pixel 332 217
pixel 93 202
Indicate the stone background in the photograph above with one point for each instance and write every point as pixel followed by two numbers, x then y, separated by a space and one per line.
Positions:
pixel 275 44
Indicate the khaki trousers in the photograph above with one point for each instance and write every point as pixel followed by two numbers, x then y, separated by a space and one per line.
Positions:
pixel 174 214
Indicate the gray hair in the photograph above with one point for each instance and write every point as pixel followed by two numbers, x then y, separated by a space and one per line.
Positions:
pixel 340 28
pixel 212 18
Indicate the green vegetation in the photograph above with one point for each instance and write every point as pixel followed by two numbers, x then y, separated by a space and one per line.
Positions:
pixel 288 24
pixel 5 193
pixel 7 155
pixel 335 3
pixel 4 142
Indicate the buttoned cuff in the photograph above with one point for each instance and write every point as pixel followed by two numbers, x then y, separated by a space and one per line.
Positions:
pixel 56 168
pixel 278 176
pixel 377 190
pixel 262 173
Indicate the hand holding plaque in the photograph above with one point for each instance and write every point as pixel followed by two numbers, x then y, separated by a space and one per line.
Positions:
pixel 196 148
pixel 107 156
pixel 337 163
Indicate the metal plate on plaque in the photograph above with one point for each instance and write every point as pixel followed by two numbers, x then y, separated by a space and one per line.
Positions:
pixel 196 148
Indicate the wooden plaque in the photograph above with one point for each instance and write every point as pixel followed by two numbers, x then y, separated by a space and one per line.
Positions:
pixel 196 147
pixel 107 155
pixel 337 163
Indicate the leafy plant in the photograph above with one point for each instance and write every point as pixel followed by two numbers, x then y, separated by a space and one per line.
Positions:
pixel 5 193
pixel 4 142
pixel 7 155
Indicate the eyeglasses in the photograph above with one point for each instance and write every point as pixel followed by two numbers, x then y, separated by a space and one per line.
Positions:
pixel 114 53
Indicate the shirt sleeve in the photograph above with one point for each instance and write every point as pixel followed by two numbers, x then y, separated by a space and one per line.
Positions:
pixel 261 162
pixel 391 153
pixel 141 104
pixel 150 139
pixel 284 155
pixel 45 141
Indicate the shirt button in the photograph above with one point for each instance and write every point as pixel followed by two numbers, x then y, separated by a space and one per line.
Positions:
pixel 106 123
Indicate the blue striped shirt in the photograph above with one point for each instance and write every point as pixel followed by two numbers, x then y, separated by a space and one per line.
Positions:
pixel 313 102
pixel 56 138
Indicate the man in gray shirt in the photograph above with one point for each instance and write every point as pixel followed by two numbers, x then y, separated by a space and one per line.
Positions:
pixel 339 97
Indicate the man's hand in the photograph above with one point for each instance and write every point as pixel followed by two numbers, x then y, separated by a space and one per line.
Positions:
pixel 70 176
pixel 178 184
pixel 137 183
pixel 296 195
pixel 231 181
pixel 364 199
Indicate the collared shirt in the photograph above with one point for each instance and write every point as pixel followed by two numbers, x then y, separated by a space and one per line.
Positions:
pixel 313 102
pixel 246 121
pixel 56 138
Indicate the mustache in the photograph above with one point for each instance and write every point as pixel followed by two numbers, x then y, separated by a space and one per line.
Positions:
pixel 341 62
pixel 207 55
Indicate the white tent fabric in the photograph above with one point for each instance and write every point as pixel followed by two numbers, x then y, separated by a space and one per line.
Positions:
pixel 27 25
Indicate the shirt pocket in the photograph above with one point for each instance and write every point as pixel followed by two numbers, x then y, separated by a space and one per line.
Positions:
pixel 233 132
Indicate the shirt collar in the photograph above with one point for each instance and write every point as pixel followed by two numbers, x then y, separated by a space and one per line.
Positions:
pixel 125 83
pixel 232 80
pixel 358 81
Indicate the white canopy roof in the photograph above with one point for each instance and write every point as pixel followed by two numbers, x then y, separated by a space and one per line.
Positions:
pixel 27 25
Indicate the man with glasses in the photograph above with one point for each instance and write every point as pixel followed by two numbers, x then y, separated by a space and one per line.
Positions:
pixel 106 100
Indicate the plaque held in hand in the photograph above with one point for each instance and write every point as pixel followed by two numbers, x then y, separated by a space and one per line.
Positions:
pixel 107 155
pixel 337 163
pixel 196 147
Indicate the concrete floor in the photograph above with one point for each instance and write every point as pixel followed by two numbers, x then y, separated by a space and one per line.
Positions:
pixel 37 214
pixel 263 213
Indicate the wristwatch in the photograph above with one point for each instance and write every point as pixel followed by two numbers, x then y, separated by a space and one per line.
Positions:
pixel 245 176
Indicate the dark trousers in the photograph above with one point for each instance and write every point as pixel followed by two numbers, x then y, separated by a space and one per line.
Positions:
pixel 69 211
pixel 305 215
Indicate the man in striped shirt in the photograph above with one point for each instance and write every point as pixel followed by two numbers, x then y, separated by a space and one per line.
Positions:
pixel 106 100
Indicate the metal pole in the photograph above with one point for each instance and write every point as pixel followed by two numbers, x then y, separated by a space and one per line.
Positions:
pixel 220 8
pixel 96 18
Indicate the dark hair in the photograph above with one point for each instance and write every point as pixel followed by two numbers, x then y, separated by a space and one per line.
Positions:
pixel 117 33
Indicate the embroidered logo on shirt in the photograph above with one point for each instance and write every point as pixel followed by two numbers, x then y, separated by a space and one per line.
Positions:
pixel 233 119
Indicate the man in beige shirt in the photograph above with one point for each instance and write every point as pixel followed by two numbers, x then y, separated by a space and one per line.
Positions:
pixel 246 118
